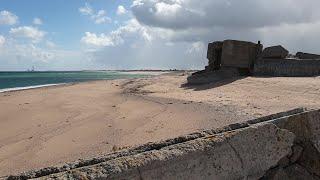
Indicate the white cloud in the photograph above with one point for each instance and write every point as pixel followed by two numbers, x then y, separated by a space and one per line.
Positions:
pixel 19 55
pixel 86 10
pixel 28 32
pixel 138 54
pixel 175 33
pixel 132 29
pixel 50 44
pixel 2 40
pixel 144 47
pixel 181 14
pixel 27 52
pixel 99 41
pixel 8 18
pixel 196 47
pixel 35 52
pixel 99 17
pixel 37 21
pixel 121 10
pixel 292 23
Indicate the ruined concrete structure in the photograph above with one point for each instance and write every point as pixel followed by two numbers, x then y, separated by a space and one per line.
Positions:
pixel 231 53
pixel 280 146
pixel 232 58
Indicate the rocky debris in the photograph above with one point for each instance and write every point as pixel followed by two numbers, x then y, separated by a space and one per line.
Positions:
pixel 302 55
pixel 275 52
pixel 284 145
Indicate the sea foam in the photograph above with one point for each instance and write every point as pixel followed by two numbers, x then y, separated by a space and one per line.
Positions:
pixel 28 87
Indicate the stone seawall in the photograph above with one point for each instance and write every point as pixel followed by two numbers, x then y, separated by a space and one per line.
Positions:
pixel 287 67
pixel 280 146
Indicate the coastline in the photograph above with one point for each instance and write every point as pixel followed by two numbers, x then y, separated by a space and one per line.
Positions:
pixel 29 87
pixel 94 118
pixel 147 73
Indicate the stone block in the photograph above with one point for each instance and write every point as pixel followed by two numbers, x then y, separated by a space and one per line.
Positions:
pixel 275 52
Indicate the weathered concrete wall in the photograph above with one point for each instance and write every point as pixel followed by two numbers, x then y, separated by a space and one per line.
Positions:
pixel 286 67
pixel 232 53
pixel 214 56
pixel 239 54
pixel 302 55
pixel 280 146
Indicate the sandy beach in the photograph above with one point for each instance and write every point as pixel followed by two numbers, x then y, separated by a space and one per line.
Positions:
pixel 53 125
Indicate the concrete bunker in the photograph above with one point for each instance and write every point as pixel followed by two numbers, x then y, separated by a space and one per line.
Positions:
pixel 232 54
pixel 232 58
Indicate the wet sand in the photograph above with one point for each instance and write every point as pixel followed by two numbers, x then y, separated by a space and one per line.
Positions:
pixel 48 126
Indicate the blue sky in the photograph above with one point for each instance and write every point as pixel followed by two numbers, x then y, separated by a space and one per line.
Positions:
pixel 145 34
pixel 62 18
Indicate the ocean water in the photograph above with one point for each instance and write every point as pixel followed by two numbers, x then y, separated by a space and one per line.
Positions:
pixel 25 80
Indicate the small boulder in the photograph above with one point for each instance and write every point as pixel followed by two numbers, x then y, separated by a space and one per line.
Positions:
pixel 275 52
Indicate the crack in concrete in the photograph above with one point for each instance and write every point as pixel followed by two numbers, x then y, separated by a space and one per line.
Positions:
pixel 237 154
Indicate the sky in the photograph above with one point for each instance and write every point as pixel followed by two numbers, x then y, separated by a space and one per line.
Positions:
pixel 145 34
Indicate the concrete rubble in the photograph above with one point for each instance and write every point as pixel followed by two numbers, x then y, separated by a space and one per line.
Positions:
pixel 280 146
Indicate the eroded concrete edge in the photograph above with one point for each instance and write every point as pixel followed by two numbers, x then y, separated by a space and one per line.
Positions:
pixel 222 156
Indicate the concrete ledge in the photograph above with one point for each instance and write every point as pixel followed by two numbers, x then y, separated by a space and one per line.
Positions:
pixel 222 156
pixel 287 67
pixel 268 147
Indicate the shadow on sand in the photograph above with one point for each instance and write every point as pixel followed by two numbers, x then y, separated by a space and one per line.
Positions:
pixel 211 85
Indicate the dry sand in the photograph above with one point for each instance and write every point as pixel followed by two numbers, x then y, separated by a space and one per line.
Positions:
pixel 48 126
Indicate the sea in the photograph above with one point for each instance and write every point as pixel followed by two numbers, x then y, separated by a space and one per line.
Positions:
pixel 11 81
